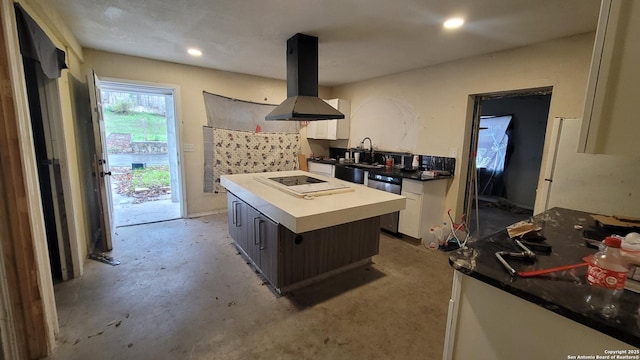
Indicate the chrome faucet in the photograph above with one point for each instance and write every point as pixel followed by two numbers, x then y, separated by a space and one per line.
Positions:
pixel 370 148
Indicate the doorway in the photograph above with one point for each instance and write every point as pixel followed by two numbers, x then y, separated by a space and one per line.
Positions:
pixel 142 149
pixel 48 143
pixel 505 158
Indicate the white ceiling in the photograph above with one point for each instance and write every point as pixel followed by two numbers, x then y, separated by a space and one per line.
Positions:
pixel 358 39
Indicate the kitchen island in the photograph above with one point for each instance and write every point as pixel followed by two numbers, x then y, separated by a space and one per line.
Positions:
pixel 493 315
pixel 297 239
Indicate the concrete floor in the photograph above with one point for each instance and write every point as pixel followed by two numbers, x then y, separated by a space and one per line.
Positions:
pixel 183 292
pixel 494 217
pixel 127 213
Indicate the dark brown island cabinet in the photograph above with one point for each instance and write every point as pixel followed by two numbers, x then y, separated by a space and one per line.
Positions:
pixel 289 260
pixel 295 241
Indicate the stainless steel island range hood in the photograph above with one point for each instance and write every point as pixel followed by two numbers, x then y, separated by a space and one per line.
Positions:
pixel 303 103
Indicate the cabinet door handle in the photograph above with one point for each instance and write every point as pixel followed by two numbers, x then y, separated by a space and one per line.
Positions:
pixel 235 213
pixel 260 234
pixel 256 239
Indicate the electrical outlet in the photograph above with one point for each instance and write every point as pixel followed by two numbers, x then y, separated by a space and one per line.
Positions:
pixel 453 152
pixel 189 147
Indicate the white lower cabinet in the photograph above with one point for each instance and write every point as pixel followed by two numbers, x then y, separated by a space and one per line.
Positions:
pixel 474 334
pixel 327 170
pixel 425 206
pixel 410 217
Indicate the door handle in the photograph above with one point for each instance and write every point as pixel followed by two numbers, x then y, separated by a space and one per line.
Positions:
pixel 103 173
pixel 256 240
pixel 260 234
pixel 235 213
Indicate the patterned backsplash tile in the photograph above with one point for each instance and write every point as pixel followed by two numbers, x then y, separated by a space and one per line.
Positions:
pixel 428 162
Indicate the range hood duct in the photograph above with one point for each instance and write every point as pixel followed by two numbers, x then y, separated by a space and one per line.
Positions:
pixel 303 103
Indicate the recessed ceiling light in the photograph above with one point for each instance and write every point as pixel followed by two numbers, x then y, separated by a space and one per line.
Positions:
pixel 453 23
pixel 194 52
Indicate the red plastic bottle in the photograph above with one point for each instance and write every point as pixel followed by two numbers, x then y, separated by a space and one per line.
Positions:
pixel 606 275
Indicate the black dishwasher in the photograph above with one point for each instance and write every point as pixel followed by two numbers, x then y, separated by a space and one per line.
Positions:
pixel 349 173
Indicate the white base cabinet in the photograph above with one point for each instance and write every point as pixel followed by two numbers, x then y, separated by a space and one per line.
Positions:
pixel 483 320
pixel 425 206
pixel 327 170
pixel 337 129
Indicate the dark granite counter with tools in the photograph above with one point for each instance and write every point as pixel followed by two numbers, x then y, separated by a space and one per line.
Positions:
pixel 562 292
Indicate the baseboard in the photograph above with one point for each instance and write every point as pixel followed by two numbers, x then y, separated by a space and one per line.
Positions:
pixel 206 213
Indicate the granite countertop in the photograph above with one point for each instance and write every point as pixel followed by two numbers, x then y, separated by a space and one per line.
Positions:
pixel 561 292
pixel 413 174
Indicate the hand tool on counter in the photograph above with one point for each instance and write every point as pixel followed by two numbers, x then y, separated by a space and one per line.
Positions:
pixel 533 235
pixel 531 273
pixel 525 254
pixel 537 246
pixel 593 238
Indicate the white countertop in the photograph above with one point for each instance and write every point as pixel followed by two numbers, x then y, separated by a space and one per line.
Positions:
pixel 299 214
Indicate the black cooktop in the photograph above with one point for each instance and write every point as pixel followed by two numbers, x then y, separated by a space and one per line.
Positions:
pixel 296 180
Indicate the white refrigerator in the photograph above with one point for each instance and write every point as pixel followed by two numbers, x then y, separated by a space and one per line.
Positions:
pixel 604 184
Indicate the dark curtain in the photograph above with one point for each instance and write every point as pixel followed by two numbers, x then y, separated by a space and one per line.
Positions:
pixel 36 45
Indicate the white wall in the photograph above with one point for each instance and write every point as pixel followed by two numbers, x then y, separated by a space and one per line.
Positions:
pixel 425 111
pixel 191 82
pixel 428 111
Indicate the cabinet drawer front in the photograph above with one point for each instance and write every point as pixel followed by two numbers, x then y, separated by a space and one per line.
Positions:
pixel 412 186
pixel 410 217
pixel 321 169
